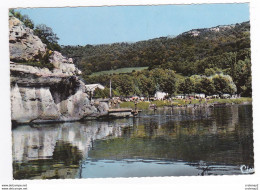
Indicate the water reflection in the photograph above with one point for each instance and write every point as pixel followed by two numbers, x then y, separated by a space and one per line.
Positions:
pixel 168 142
pixel 55 147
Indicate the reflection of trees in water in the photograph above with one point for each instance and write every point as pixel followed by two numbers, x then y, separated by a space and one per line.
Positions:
pixel 211 138
pixel 237 122
pixel 244 134
pixel 216 120
pixel 63 164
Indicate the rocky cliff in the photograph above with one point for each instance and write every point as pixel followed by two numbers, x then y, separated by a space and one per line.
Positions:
pixel 23 44
pixel 198 32
pixel 40 94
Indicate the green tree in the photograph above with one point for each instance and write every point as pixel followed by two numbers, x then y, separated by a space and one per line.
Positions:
pixel 187 86
pixel 47 36
pixel 242 77
pixel 99 93
pixel 206 86
pixel 147 85
pixel 28 22
pixel 246 90
pixel 124 84
pixel 224 84
pixel 167 82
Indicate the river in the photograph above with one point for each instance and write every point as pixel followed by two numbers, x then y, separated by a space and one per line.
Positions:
pixel 165 142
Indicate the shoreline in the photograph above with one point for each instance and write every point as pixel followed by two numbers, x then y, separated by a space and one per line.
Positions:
pixel 145 106
pixel 181 103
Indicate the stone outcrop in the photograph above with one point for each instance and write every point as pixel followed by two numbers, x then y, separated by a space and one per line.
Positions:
pixel 217 29
pixel 62 64
pixel 41 94
pixel 24 46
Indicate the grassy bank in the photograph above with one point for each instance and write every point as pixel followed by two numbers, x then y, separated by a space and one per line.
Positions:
pixel 140 105
pixel 234 101
pixel 161 103
pixel 117 71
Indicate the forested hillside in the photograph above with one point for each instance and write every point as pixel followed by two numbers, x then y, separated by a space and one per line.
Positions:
pixel 182 53
pixel 206 52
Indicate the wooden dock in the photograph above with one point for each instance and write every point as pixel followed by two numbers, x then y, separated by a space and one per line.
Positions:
pixel 123 112
pixel 119 110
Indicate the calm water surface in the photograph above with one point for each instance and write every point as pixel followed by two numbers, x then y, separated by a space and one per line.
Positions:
pixel 178 142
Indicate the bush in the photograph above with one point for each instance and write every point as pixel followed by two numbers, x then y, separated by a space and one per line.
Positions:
pixel 140 105
pixel 161 103
pixel 127 105
pixel 99 93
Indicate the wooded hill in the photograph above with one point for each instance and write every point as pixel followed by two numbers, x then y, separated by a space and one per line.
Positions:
pixel 186 53
pixel 196 52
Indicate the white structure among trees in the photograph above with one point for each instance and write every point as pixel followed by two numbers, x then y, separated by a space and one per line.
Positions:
pixel 160 95
pixel 92 87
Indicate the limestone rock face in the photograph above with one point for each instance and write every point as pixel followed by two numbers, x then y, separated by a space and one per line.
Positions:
pixel 63 65
pixel 23 44
pixel 40 97
pixel 29 104
pixel 76 107
pixel 103 108
pixel 35 104
pixel 40 94
pixel 198 32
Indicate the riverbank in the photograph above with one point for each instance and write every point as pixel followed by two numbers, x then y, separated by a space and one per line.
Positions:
pixel 162 103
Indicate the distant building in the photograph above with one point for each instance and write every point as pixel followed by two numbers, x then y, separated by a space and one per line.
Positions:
pixel 92 87
pixel 160 95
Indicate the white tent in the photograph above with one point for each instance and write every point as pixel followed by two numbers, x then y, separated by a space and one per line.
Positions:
pixel 160 95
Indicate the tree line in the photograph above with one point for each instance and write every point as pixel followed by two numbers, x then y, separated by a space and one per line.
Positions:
pixel 146 83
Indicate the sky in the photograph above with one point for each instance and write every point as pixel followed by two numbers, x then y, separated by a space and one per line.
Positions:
pixel 104 25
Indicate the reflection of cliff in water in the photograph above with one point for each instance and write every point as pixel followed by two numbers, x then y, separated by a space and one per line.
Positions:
pixel 55 150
